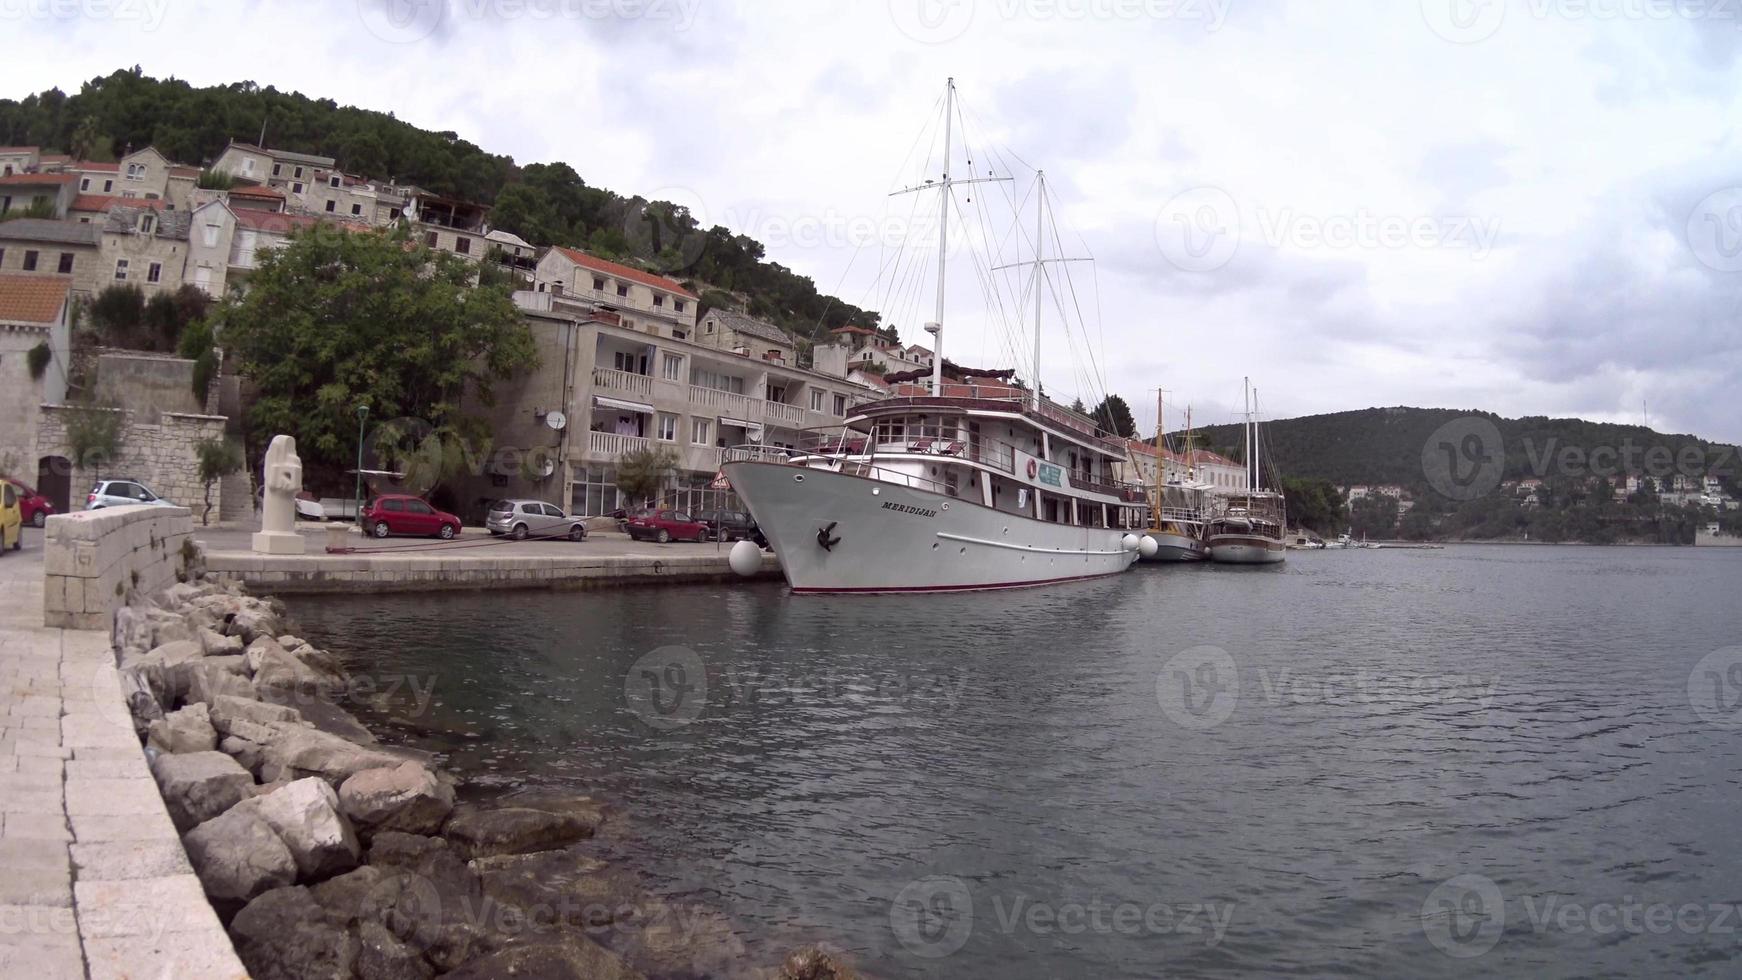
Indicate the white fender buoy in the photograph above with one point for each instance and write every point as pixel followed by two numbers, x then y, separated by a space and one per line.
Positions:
pixel 745 558
pixel 1129 542
pixel 1147 547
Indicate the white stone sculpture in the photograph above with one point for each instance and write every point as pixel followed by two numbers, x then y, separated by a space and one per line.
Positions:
pixel 283 481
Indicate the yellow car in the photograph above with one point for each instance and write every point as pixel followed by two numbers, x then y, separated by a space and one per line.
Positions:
pixel 11 518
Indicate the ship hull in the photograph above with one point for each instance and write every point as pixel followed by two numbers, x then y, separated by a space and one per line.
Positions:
pixel 1172 548
pixel 886 537
pixel 1246 549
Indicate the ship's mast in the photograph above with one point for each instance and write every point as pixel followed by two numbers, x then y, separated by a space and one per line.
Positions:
pixel 937 357
pixel 1246 428
pixel 1039 272
pixel 1257 445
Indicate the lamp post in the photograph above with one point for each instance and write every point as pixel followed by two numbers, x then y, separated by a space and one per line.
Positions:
pixel 362 417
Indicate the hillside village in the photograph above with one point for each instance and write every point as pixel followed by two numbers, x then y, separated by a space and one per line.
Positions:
pixel 629 359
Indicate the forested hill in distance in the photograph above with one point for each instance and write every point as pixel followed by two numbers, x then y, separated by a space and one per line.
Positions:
pixel 1378 446
pixel 545 203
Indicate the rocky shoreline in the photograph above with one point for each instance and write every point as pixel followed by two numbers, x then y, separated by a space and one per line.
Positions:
pixel 328 854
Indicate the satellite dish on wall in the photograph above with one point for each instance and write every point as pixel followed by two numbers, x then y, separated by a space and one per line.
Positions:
pixel 546 467
pixel 556 420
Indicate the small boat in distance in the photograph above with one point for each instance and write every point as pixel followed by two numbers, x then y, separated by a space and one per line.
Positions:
pixel 1249 526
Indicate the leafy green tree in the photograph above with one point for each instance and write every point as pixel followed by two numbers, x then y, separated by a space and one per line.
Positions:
pixel 335 319
pixel 216 460
pixel 1315 504
pixel 118 315
pixel 1113 415
pixel 642 473
pixel 95 435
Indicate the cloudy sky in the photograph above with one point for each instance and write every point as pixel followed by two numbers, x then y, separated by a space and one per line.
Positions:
pixel 1526 206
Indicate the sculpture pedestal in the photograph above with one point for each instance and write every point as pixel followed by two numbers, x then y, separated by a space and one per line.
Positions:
pixel 278 543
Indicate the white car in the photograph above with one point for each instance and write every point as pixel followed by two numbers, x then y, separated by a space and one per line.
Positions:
pixel 122 493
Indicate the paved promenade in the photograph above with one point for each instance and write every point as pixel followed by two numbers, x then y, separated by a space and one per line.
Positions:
pixel 93 879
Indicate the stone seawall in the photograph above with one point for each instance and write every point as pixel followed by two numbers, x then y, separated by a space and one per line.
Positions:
pixel 92 558
pixel 322 573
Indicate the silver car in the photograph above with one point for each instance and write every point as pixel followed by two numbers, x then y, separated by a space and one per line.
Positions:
pixel 522 519
pixel 122 493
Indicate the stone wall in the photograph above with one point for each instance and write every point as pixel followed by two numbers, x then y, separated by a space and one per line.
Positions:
pixel 150 384
pixel 161 455
pixel 92 558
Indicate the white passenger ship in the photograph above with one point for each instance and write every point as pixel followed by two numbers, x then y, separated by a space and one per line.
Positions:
pixel 979 487
pixel 968 482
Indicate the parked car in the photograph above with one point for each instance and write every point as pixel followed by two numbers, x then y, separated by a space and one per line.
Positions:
pixel 308 506
pixel 522 519
pixel 666 525
pixel 122 493
pixel 729 525
pixel 32 506
pixel 399 513
pixel 11 518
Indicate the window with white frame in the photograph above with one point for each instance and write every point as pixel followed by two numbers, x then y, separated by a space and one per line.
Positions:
pixel 667 428
pixel 817 399
pixel 841 406
pixel 677 304
pixel 701 431
pixel 84 183
pixel 154 273
pixel 658 300
pixel 120 270
pixel 672 369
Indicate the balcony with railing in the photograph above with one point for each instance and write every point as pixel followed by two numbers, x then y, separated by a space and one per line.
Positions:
pixel 610 445
pixel 722 402
pixel 783 414
pixel 623 381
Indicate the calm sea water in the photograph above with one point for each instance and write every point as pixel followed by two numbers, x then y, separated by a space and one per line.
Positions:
pixel 1429 763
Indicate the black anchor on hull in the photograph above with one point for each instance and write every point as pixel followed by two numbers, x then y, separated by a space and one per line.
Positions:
pixel 826 538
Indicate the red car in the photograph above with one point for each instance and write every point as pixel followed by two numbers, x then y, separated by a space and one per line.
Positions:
pixel 34 507
pixel 405 514
pixel 666 525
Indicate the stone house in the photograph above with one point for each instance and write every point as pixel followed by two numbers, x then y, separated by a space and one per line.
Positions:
pixel 17 160
pixel 34 311
pixel 640 300
pixel 224 242
pixel 36 246
pixel 144 246
pixel 747 336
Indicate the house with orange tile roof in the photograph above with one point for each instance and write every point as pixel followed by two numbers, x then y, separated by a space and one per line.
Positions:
pixel 34 311
pixel 644 301
pixel 225 242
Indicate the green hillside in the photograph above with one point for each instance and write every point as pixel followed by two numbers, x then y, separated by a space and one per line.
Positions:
pixel 545 203
pixel 1385 445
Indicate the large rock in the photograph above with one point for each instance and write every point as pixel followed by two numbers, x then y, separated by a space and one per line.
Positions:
pixel 237 856
pixel 305 815
pixel 408 798
pixel 296 753
pixel 274 667
pixel 187 730
pixel 248 754
pixel 253 619
pixel 209 678
pixel 815 963
pixel 200 785
pixel 285 935
pixel 227 710
pixel 479 832
pixel 320 713
pixel 382 956
pixel 157 668
pixel 218 645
